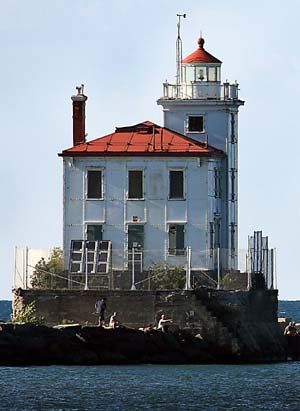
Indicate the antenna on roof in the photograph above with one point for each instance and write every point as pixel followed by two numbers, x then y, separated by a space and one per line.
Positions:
pixel 178 53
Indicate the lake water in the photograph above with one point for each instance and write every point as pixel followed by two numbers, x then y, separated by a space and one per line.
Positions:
pixel 206 387
pixel 200 387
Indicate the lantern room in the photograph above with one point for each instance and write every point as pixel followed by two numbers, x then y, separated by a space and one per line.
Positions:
pixel 201 66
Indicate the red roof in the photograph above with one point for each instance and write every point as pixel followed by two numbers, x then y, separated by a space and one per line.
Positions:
pixel 200 55
pixel 143 139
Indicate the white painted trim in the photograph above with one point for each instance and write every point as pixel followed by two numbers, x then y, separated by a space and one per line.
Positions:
pixel 188 115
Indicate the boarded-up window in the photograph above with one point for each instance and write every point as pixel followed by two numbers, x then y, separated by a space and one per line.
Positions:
pixel 196 124
pixel 94 232
pixel 176 184
pixel 135 181
pixel 94 184
pixel 176 239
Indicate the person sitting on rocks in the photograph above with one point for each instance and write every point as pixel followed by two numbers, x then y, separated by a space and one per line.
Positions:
pixel 164 323
pixel 290 330
pixel 114 322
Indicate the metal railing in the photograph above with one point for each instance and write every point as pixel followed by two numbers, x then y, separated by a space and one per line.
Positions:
pixel 141 269
pixel 201 90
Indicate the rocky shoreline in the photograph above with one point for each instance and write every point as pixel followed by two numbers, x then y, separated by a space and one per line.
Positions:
pixel 78 345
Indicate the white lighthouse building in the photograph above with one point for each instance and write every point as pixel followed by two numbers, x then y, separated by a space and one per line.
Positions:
pixel 201 107
pixel 146 194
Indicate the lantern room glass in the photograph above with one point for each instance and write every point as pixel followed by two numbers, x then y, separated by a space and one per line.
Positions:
pixel 201 73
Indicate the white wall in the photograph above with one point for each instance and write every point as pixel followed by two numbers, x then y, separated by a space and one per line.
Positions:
pixel 115 211
pixel 216 117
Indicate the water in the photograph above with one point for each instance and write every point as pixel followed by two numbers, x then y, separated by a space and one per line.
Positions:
pixel 289 309
pixel 201 387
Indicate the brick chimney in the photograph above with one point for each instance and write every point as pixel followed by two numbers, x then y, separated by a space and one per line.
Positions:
pixel 79 116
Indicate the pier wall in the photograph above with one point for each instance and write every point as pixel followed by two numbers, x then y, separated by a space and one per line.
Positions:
pixel 242 321
pixel 139 308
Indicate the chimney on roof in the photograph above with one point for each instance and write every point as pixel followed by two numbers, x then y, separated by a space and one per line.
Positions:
pixel 79 116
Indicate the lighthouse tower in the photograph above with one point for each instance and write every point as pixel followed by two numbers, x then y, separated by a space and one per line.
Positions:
pixel 203 108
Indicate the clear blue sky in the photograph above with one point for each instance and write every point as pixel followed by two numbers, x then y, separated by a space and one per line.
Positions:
pixel 122 51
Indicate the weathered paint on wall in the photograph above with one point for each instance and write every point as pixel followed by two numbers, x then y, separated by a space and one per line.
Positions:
pixel 155 211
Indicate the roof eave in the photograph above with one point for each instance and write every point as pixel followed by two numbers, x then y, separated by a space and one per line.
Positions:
pixel 143 154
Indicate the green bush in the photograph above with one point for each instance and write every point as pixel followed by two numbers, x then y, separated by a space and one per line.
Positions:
pixel 27 316
pixel 227 282
pixel 42 275
pixel 167 277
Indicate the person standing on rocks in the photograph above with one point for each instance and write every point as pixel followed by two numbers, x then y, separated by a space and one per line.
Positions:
pixel 100 307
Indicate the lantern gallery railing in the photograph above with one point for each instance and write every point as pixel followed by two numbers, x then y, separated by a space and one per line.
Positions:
pixel 201 90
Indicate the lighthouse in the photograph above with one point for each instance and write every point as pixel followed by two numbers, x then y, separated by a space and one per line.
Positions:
pixel 148 194
pixel 202 107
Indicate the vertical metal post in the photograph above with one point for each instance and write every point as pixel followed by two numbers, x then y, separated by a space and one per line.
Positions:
pixel 275 269
pixel 188 268
pixel 86 266
pixel 15 268
pixel 26 268
pixel 23 268
pixel 178 55
pixel 218 269
pixel 133 273
pixel 249 281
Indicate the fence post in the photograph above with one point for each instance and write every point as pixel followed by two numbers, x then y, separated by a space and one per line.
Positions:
pixel 86 266
pixel 26 268
pixel 218 269
pixel 133 273
pixel 275 269
pixel 249 280
pixel 188 268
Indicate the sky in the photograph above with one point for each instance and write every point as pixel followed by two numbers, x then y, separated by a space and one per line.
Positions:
pixel 122 51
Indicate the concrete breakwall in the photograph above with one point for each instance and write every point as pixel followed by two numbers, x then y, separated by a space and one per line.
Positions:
pixel 240 322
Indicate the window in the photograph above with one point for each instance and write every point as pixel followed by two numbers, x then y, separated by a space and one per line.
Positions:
pixel 94 232
pixel 233 140
pixel 211 238
pixel 176 184
pixel 135 236
pixel 94 184
pixel 135 184
pixel 232 239
pixel 189 74
pixel 217 224
pixel 196 124
pixel 214 234
pixel 176 239
pixel 212 73
pixel 201 73
pixel 232 184
pixel 218 192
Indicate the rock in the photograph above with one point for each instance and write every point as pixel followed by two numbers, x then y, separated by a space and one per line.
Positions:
pixel 76 345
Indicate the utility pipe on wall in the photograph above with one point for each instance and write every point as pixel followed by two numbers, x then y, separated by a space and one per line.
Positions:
pixel 133 273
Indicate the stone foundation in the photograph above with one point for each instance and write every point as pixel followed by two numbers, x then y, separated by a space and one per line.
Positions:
pixel 244 322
